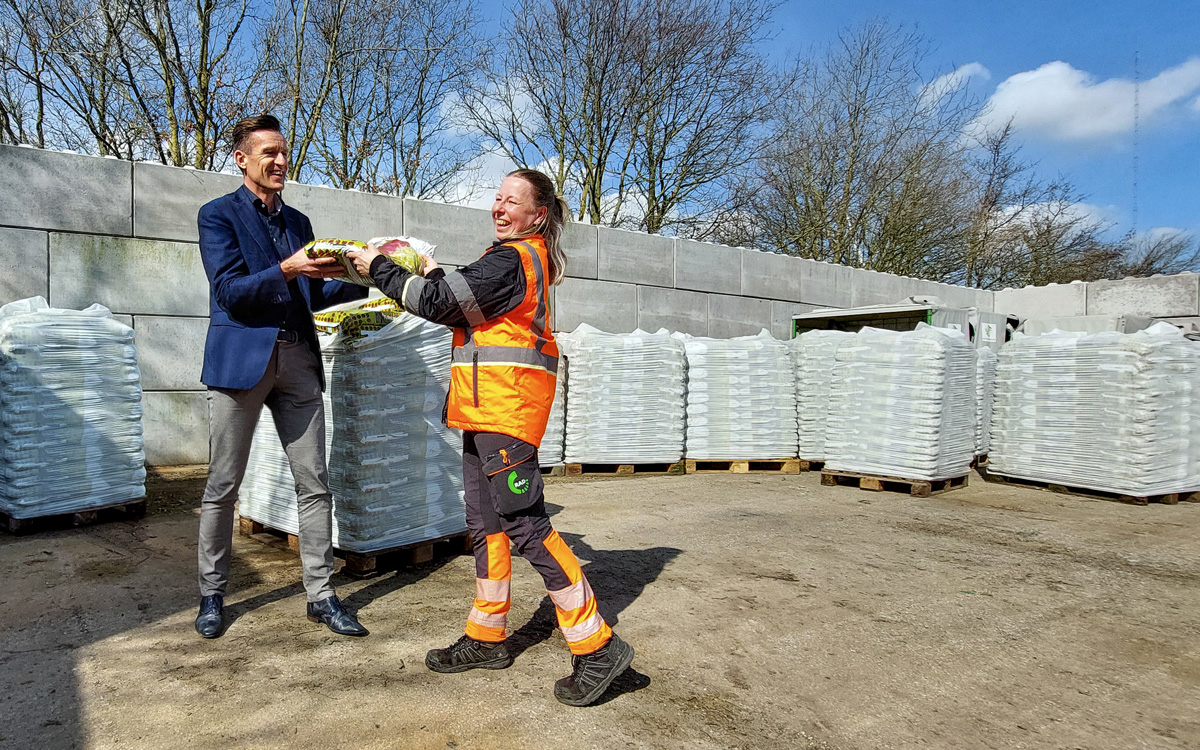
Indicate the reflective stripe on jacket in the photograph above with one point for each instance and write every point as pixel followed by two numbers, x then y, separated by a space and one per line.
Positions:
pixel 502 370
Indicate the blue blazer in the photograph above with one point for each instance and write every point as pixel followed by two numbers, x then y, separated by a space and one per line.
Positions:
pixel 248 293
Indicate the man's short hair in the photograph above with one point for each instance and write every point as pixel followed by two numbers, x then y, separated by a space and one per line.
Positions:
pixel 247 125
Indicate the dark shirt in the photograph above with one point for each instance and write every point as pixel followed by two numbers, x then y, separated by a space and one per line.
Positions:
pixel 298 315
pixel 497 280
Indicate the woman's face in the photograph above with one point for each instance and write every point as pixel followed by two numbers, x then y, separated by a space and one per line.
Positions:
pixel 515 211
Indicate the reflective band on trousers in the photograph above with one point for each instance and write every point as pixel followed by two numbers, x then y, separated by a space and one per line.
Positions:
pixel 488 621
pixel 572 597
pixel 466 299
pixel 509 355
pixel 587 628
pixel 493 591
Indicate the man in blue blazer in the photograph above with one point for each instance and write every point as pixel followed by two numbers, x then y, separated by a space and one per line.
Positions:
pixel 262 350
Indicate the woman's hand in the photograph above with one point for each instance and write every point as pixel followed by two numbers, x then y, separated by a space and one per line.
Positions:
pixel 428 264
pixel 362 260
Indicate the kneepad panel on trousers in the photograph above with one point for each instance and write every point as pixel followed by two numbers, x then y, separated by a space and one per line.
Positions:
pixel 514 476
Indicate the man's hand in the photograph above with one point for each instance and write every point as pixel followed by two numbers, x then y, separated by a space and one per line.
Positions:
pixel 300 264
pixel 362 260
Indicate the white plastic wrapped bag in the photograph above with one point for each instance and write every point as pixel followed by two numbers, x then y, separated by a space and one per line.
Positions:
pixel 902 404
pixel 550 452
pixel 71 410
pixel 741 398
pixel 1117 412
pixel 815 355
pixel 985 390
pixel 626 397
pixel 395 470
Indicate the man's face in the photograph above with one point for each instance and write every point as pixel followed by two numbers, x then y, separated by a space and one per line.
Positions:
pixel 265 161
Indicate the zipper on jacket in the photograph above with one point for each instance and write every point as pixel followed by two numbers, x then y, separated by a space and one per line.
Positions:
pixel 475 376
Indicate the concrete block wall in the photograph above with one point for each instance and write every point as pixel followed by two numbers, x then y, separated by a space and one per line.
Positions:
pixel 1174 298
pixel 83 229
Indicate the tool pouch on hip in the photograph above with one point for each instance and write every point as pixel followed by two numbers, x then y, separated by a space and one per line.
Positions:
pixel 515 478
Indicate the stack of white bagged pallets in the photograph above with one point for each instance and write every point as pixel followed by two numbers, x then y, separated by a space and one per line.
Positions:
pixel 741 398
pixel 395 470
pixel 626 398
pixel 550 452
pixel 985 390
pixel 70 410
pixel 1117 412
pixel 814 353
pixel 902 404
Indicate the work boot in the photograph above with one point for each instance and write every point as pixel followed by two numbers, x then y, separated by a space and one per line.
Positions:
pixel 468 653
pixel 594 672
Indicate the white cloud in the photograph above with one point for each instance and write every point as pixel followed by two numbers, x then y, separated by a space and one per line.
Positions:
pixel 1083 213
pixel 948 83
pixel 1063 103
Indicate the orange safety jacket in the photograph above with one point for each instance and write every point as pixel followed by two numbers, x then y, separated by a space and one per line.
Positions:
pixel 502 371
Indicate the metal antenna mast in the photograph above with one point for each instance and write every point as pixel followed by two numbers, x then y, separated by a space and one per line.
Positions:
pixel 1137 85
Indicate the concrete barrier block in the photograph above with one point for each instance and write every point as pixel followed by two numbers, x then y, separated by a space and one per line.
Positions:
pixel 875 288
pixel 771 276
pixel 65 192
pixel 1157 296
pixel 348 214
pixel 580 243
pixel 167 199
pixel 635 257
pixel 126 320
pixel 704 267
pixel 175 427
pixel 1053 301
pixel 26 256
pixel 826 284
pixel 460 233
pixel 146 277
pixel 673 309
pixel 729 317
pixel 170 352
pixel 781 317
pixel 606 305
pixel 964 297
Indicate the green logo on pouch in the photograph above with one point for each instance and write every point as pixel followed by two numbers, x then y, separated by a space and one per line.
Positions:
pixel 517 486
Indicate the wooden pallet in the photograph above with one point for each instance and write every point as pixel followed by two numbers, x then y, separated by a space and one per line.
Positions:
pixel 557 470
pixel 807 465
pixel 130 509
pixel 1065 489
pixel 979 462
pixel 363 564
pixel 880 483
pixel 576 470
pixel 765 466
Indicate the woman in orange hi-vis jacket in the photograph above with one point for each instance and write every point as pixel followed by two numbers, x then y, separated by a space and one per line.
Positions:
pixel 503 367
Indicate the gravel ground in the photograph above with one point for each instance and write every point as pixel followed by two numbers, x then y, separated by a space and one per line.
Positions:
pixel 767 612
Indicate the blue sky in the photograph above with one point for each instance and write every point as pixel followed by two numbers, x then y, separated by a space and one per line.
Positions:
pixel 1064 71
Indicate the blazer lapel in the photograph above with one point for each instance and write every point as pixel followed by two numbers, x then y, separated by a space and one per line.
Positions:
pixel 248 215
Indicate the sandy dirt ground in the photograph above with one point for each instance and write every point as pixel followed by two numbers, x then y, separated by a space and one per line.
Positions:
pixel 767 612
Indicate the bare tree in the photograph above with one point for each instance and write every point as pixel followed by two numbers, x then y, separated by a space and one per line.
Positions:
pixel 693 126
pixel 1158 252
pixel 640 108
pixel 861 169
pixel 365 83
pixel 189 72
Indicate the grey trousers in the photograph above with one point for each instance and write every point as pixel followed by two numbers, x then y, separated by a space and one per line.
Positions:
pixel 291 389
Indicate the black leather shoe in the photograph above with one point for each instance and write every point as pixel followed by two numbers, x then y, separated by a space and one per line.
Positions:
pixel 330 612
pixel 210 623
